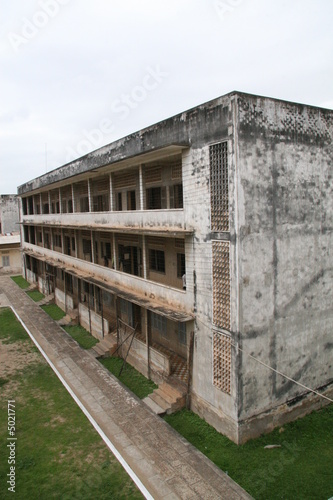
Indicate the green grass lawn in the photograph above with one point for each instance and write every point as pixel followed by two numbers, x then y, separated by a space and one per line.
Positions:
pixel 301 469
pixel 35 295
pixel 130 377
pixel 20 281
pixel 54 311
pixel 81 335
pixel 58 452
pixel 11 329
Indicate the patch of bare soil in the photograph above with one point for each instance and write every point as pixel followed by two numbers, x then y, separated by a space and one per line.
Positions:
pixel 14 357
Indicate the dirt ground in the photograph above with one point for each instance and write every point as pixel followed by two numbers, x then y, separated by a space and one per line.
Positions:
pixel 14 357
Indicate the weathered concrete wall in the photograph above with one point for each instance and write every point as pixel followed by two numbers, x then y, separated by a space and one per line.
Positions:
pixel 9 213
pixel 92 321
pixel 285 251
pixel 14 256
pixel 217 407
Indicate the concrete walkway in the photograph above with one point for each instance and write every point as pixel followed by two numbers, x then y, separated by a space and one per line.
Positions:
pixel 166 464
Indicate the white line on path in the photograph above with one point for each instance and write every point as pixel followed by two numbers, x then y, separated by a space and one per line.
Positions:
pixel 106 440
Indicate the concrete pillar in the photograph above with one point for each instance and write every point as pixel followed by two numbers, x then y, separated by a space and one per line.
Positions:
pixel 60 202
pixel 111 194
pixel 73 199
pixel 144 257
pixel 89 195
pixel 141 187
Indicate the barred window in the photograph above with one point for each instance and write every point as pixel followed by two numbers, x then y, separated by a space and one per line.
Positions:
pixel 222 362
pixel 219 190
pixel 159 323
pixel 157 260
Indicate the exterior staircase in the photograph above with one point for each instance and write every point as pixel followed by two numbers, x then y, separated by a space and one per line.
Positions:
pixel 66 320
pixel 166 399
pixel 46 300
pixel 105 347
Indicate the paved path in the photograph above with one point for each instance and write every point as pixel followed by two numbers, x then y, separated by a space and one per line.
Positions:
pixel 166 464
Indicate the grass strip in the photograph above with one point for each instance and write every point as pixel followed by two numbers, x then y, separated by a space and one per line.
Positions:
pixel 54 311
pixel 81 335
pixel 130 377
pixel 20 281
pixel 35 295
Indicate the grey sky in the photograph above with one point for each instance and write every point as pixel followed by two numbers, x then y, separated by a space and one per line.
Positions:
pixel 76 75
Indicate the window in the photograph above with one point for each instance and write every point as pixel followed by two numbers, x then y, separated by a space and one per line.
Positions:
pixel 181 267
pixel 126 309
pixel 182 333
pixel 176 196
pixel 5 261
pixel 156 198
pixel 84 204
pixel 86 245
pixel 101 203
pixel 120 202
pixel 131 203
pixel 157 260
pixel 159 323
pixel 57 240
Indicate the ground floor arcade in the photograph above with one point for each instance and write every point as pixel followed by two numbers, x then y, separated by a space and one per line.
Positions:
pixel 157 341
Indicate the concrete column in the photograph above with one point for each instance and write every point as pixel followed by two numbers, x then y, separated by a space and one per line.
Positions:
pixel 89 195
pixel 144 257
pixel 76 243
pixel 49 199
pixel 93 247
pixel 145 331
pixel 141 187
pixel 60 202
pixel 114 252
pixel 111 194
pixel 73 199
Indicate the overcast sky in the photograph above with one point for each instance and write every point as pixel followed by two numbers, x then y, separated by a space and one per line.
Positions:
pixel 79 74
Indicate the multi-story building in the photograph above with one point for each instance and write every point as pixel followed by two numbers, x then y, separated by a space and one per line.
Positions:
pixel 9 214
pixel 210 236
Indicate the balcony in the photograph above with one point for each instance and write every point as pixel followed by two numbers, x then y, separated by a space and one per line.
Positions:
pixel 158 222
pixel 162 299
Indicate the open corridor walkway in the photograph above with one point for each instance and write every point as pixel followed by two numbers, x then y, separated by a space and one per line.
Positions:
pixel 165 463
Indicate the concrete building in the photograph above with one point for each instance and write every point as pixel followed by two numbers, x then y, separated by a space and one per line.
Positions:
pixel 9 213
pixel 10 253
pixel 209 235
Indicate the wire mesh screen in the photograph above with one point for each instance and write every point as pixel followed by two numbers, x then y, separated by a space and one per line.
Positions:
pixel 219 192
pixel 222 362
pixel 221 284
